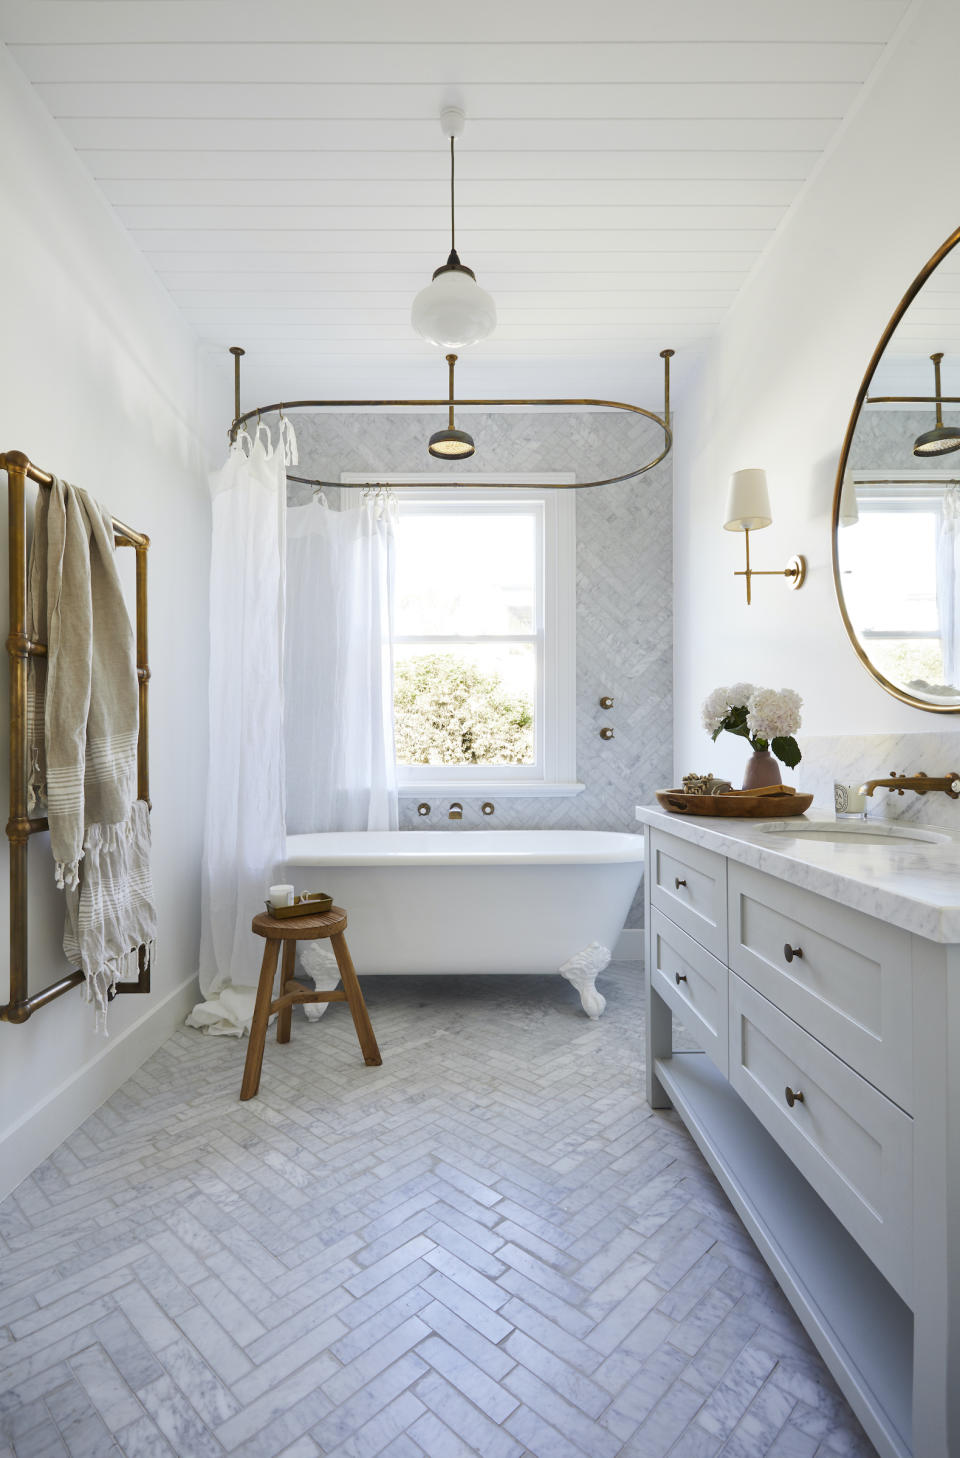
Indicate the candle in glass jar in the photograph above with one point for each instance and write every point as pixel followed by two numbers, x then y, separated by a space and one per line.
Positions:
pixel 281 895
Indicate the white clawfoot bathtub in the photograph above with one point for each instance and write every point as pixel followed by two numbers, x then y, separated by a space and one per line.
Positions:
pixel 502 901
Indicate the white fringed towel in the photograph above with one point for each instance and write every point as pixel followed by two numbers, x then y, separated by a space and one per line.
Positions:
pixel 82 713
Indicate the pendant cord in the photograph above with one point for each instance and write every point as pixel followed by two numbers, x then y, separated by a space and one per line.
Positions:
pixel 453 231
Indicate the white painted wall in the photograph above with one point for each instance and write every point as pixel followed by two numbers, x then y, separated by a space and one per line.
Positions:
pixel 97 383
pixel 777 391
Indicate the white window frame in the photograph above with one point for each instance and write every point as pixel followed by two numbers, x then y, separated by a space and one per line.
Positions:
pixel 905 498
pixel 555 714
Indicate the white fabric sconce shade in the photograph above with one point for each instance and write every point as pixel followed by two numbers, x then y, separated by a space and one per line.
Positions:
pixel 748 502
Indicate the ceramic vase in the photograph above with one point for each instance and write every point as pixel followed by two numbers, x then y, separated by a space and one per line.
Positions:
pixel 762 769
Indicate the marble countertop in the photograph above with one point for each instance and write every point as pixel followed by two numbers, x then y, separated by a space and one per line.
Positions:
pixel 911 884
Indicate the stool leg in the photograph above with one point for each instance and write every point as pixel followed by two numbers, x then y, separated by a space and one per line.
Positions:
pixel 261 1016
pixel 358 1008
pixel 287 966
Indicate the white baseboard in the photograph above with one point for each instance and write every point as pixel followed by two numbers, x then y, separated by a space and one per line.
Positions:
pixel 629 947
pixel 39 1133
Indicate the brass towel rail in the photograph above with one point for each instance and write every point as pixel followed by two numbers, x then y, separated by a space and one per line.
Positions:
pixel 21 826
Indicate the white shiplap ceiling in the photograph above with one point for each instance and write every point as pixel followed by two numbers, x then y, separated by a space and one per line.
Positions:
pixel 282 168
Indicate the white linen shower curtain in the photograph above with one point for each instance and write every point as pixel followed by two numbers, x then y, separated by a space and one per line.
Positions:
pixel 341 768
pixel 244 837
pixel 948 584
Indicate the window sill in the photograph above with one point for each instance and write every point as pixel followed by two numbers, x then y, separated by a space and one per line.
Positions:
pixel 482 789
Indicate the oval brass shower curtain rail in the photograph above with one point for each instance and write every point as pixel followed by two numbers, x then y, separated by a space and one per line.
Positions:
pixel 278 407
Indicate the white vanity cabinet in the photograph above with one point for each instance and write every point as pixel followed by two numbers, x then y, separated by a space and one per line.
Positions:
pixel 826 1099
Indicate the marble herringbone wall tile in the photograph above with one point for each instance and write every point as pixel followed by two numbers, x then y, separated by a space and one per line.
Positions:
pixel 853 758
pixel 624 591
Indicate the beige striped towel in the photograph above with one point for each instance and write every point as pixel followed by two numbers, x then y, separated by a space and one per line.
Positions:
pixel 82 730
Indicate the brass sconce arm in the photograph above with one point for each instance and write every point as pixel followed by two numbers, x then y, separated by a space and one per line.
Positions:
pixel 795 570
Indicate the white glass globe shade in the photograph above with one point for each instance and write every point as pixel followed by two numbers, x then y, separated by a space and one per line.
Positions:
pixel 454 311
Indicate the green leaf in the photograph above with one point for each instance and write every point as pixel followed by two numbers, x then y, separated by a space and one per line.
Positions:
pixel 786 748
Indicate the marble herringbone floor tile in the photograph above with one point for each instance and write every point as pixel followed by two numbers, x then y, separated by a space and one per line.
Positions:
pixel 489 1246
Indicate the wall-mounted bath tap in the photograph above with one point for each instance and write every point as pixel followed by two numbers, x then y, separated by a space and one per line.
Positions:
pixel 488 807
pixel 606 702
pixel 423 808
pixel 921 783
pixel 606 733
pixel 456 811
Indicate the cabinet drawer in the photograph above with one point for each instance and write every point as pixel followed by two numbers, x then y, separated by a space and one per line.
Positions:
pixel 850 1142
pixel 847 980
pixel 689 884
pixel 694 983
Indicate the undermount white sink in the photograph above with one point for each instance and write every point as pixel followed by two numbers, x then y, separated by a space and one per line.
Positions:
pixel 857 832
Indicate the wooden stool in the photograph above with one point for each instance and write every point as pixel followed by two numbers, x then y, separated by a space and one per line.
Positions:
pixel 289 931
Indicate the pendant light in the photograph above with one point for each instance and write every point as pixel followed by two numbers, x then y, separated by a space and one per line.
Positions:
pixel 451 444
pixel 943 438
pixel 453 311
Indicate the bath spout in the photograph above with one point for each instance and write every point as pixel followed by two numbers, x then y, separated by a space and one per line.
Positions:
pixel 456 811
pixel 921 783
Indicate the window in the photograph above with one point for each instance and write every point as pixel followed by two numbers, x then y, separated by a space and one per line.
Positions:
pixel 902 628
pixel 484 641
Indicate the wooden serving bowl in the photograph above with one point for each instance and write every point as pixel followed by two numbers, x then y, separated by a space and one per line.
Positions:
pixel 773 802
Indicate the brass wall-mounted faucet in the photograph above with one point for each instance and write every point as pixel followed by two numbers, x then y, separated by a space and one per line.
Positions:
pixel 921 783
pixel 456 811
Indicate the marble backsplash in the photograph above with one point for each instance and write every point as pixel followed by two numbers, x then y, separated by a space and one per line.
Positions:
pixel 855 758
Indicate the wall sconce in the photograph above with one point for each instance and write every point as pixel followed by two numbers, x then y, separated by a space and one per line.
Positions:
pixel 748 509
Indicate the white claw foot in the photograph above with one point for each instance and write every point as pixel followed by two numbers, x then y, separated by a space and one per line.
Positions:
pixel 581 972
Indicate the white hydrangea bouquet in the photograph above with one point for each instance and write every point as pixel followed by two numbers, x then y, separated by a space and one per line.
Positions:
pixel 768 720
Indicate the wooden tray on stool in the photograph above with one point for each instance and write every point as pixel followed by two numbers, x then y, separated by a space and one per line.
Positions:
pixel 773 802
pixel 311 903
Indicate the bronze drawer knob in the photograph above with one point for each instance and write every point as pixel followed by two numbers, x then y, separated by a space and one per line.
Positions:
pixel 678 882
pixel 792 1097
pixel 679 977
pixel 790 952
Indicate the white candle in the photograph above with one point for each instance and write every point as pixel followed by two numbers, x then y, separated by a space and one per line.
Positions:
pixel 281 895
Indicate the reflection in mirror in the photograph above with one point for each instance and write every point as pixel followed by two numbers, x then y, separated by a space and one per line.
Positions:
pixel 897 508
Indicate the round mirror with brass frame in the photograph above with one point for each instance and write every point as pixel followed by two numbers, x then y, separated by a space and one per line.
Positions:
pixel 900 492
